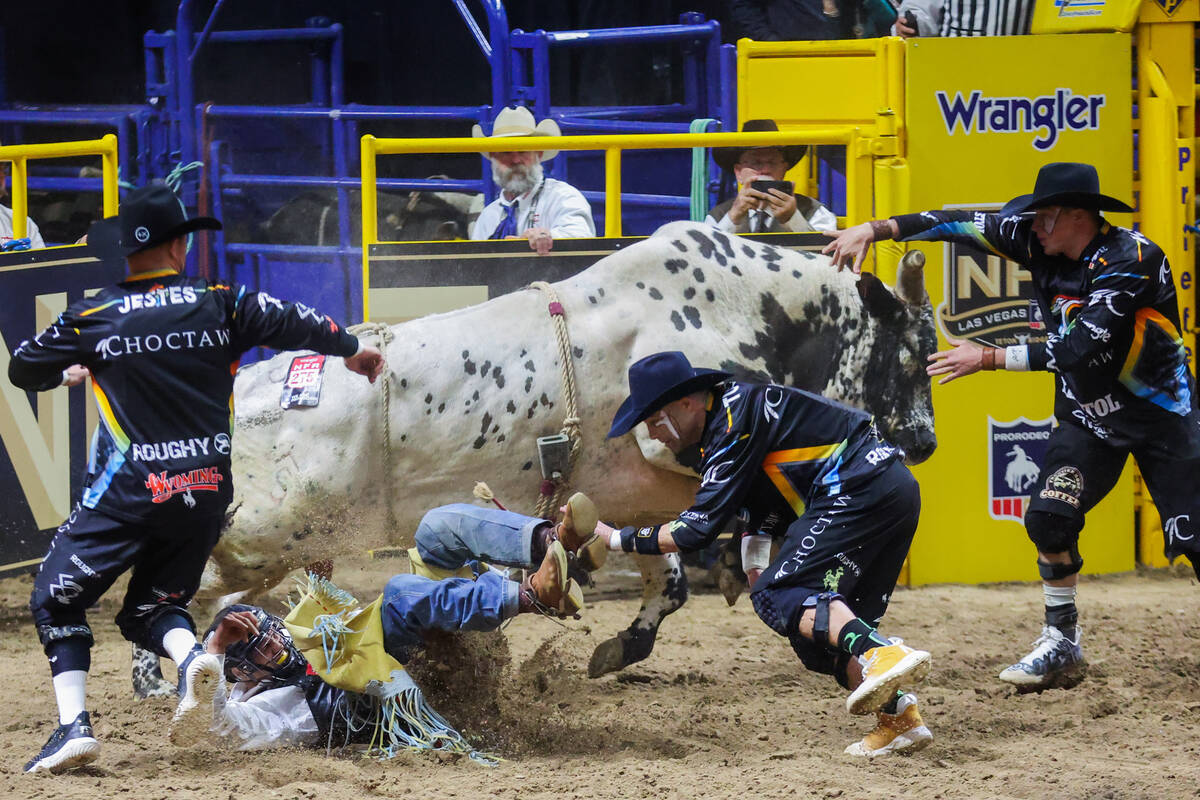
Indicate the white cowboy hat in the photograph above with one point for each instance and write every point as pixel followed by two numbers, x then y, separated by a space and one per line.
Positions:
pixel 519 122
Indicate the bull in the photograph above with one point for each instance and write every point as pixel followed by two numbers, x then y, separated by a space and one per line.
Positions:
pixel 468 392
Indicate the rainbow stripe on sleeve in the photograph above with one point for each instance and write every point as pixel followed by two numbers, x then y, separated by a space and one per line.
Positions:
pixel 956 228
pixel 116 458
pixel 1180 402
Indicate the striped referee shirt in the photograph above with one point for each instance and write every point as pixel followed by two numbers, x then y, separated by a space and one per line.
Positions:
pixel 970 17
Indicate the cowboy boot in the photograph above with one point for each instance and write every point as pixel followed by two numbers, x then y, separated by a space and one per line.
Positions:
pixel 577 532
pixel 549 591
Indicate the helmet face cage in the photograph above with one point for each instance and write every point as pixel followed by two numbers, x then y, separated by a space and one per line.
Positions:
pixel 269 655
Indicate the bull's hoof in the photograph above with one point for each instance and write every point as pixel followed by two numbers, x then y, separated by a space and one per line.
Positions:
pixel 609 656
pixel 614 655
pixel 147 676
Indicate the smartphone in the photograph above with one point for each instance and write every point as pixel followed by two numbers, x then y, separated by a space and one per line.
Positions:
pixel 765 186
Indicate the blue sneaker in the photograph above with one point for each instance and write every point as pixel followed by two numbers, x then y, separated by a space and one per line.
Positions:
pixel 181 686
pixel 69 746
pixel 1054 662
pixel 198 677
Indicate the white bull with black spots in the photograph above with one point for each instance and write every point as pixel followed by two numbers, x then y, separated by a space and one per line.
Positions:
pixel 470 391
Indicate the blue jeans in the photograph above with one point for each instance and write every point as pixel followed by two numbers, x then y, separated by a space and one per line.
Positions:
pixel 453 536
pixel 413 605
pixel 450 537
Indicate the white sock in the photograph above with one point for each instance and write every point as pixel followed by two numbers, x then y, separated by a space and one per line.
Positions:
pixel 70 690
pixel 178 642
pixel 1058 595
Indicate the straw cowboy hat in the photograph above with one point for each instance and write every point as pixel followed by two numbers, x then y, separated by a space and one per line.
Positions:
pixel 1069 184
pixel 519 122
pixel 726 157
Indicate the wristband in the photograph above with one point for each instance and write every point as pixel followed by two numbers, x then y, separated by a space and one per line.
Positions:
pixel 643 541
pixel 988 358
pixel 881 229
pixel 65 378
pixel 756 551
pixel 1016 358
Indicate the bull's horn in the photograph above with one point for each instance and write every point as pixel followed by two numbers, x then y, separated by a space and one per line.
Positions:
pixel 910 279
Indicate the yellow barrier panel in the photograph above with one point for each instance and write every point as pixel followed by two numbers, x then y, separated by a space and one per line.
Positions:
pixel 968 135
pixel 1166 138
pixel 859 149
pixel 1085 16
pixel 20 154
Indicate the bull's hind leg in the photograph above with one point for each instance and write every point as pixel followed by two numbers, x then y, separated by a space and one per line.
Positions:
pixel 147 675
pixel 664 591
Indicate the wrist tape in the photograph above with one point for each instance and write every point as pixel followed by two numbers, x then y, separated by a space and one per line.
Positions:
pixel 640 540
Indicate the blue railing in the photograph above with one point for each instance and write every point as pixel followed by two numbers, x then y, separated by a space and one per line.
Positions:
pixel 173 128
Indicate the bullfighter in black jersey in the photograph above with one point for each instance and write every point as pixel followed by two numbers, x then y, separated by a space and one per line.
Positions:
pixel 162 349
pixel 817 474
pixel 1123 381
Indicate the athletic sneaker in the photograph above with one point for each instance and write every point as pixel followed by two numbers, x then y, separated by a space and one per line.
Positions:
pixel 1055 661
pixel 198 676
pixel 902 732
pixel 886 670
pixel 69 746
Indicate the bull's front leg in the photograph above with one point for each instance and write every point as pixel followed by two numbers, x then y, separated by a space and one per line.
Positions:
pixel 664 591
pixel 147 676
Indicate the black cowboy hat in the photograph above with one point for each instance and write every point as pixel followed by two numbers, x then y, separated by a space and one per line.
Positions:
pixel 726 157
pixel 150 215
pixel 1065 183
pixel 657 380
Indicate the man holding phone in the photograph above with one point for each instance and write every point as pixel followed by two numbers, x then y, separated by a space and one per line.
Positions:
pixel 766 203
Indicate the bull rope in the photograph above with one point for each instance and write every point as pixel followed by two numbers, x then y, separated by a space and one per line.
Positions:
pixel 386 335
pixel 551 492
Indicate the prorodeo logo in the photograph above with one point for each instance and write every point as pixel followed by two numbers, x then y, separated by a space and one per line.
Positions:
pixel 1048 114
pixel 163 486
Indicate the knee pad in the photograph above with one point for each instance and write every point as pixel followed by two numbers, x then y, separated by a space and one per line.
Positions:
pixel 147 628
pixel 1053 533
pixel 48 634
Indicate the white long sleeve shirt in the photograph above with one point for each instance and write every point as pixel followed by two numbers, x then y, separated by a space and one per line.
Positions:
pixel 272 718
pixel 6 229
pixel 554 205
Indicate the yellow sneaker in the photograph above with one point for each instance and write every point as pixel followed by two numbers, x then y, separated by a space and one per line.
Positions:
pixel 886 670
pixel 902 732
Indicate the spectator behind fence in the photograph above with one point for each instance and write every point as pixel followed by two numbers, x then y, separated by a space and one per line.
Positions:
pixel 7 223
pixel 530 206
pixel 804 20
pixel 755 211
pixel 964 18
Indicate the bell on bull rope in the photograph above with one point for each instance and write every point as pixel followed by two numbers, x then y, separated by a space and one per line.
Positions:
pixel 554 454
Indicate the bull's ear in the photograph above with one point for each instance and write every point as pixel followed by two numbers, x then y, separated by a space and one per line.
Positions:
pixel 876 298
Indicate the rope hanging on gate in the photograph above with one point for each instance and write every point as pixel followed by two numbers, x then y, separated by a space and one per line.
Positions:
pixel 551 494
pixel 386 335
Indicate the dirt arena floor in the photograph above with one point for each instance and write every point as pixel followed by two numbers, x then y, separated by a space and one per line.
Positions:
pixel 720 709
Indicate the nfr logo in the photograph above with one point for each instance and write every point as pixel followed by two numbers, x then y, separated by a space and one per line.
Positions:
pixel 1016 452
pixel 988 299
